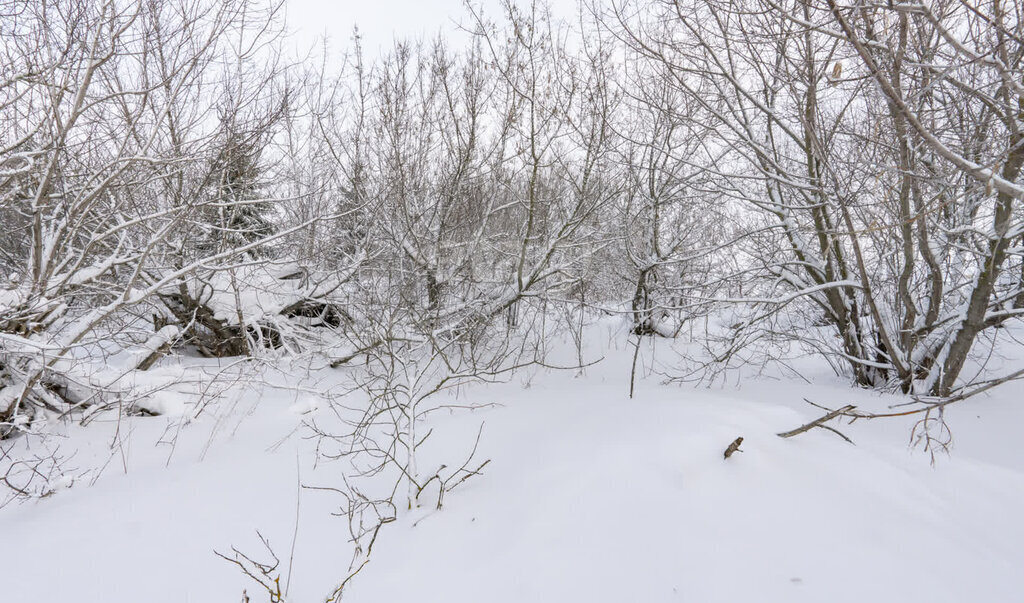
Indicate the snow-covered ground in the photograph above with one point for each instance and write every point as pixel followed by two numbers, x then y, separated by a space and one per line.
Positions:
pixel 589 496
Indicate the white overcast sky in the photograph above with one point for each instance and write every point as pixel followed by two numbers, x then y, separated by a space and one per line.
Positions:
pixel 381 21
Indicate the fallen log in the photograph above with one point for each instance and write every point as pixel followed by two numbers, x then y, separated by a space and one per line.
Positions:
pixel 157 346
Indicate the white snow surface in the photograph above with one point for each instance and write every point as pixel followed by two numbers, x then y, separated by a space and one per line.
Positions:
pixel 589 496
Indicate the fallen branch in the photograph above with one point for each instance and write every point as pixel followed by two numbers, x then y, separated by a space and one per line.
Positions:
pixel 847 411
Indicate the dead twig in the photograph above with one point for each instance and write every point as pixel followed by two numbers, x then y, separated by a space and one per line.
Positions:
pixel 336 595
pixel 263 573
pixel 847 411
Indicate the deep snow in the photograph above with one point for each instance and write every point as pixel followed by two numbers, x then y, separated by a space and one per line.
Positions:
pixel 590 496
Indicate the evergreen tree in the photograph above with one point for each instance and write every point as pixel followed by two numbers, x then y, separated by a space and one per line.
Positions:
pixel 236 214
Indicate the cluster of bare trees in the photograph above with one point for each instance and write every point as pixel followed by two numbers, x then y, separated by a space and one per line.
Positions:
pixel 840 176
pixel 875 152
pixel 112 116
pixel 843 175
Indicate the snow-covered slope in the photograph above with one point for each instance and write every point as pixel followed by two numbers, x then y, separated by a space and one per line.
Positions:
pixel 590 496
